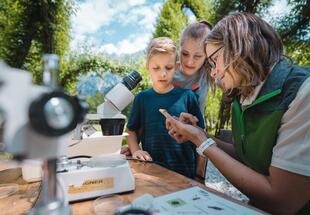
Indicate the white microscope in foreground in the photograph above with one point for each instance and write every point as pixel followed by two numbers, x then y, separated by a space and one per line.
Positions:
pixel 106 172
pixel 34 124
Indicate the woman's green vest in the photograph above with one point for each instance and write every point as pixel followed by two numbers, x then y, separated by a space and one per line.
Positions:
pixel 255 127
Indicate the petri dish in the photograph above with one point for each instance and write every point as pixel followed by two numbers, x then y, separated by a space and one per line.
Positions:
pixel 7 190
pixel 107 205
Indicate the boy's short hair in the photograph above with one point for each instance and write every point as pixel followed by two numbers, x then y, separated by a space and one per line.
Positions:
pixel 161 45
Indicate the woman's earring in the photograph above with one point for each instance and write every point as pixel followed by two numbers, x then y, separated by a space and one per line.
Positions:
pixel 214 74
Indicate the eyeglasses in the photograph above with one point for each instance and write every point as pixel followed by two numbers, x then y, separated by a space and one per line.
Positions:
pixel 210 62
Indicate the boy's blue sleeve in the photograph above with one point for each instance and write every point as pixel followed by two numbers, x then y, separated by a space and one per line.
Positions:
pixel 194 109
pixel 134 121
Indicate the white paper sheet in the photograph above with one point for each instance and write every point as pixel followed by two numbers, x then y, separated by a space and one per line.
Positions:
pixel 197 201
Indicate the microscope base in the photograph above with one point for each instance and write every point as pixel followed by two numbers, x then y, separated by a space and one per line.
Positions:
pixel 90 182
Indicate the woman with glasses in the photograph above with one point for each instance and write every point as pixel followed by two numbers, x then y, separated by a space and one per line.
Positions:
pixel 270 158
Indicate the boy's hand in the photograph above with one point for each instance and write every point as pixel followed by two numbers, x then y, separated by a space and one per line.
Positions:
pixel 142 155
pixel 125 151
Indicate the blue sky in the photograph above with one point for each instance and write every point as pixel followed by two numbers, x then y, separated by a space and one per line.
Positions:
pixel 118 27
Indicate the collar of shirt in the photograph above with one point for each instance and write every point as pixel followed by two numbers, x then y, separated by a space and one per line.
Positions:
pixel 247 101
pixel 194 86
pixel 251 99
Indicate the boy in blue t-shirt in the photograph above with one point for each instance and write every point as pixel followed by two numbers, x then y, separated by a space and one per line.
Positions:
pixel 147 124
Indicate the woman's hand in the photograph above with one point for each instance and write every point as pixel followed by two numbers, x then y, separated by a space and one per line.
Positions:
pixel 142 155
pixel 188 119
pixel 125 151
pixel 182 132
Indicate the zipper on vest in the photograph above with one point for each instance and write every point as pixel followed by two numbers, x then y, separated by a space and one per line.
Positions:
pixel 257 101
pixel 242 132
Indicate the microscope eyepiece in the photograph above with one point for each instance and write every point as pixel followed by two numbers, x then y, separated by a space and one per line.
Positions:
pixel 132 79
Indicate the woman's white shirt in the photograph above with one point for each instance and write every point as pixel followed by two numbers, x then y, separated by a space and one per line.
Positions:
pixel 292 151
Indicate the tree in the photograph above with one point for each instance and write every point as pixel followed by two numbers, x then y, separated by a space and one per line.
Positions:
pixel 294 29
pixel 172 18
pixel 224 7
pixel 79 64
pixel 31 28
pixel 18 30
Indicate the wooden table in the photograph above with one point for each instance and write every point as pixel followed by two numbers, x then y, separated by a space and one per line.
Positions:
pixel 24 198
pixel 150 178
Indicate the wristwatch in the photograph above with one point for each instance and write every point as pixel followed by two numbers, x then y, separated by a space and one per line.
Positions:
pixel 205 144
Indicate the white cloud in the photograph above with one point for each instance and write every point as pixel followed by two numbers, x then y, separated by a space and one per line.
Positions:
pixel 150 15
pixel 109 48
pixel 144 16
pixel 136 2
pixel 92 15
pixel 133 44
